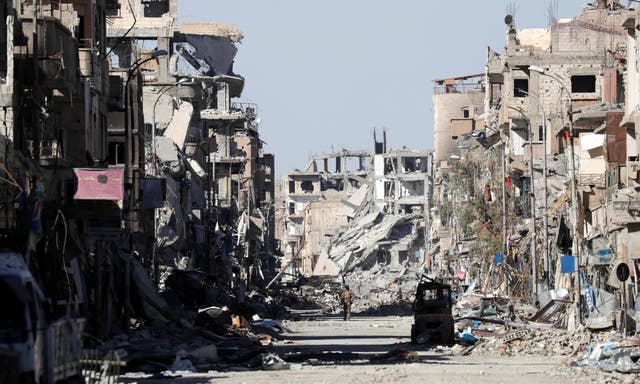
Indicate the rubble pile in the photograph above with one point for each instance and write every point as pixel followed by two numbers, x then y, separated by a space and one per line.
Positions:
pixel 535 342
pixel 214 340
pixel 383 290
pixel 310 298
pixel 614 356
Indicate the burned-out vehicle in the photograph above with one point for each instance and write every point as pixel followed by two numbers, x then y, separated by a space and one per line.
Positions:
pixel 433 322
pixel 33 347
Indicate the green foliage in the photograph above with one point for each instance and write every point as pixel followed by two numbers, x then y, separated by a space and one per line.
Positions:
pixel 466 205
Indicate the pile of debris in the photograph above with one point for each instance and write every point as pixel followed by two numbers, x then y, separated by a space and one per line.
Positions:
pixel 383 290
pixel 536 342
pixel 195 324
pixel 622 355
pixel 215 340
pixel 496 326
pixel 380 290
pixel 308 297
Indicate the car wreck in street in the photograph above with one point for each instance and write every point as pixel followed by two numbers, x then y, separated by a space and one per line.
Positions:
pixel 432 313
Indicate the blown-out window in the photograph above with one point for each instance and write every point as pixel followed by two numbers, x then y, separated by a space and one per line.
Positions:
pixel 583 83
pixel 520 87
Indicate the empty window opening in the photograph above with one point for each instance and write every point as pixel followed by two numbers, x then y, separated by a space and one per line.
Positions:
pixel 116 153
pixel 520 87
pixel 155 8
pixel 292 186
pixel 292 208
pixel 583 84
pixel 540 133
pixel 465 113
pixel 306 186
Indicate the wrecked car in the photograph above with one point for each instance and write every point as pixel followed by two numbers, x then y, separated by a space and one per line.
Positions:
pixel 433 321
pixel 41 351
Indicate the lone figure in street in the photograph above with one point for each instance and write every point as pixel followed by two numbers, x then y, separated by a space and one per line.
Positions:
pixel 346 299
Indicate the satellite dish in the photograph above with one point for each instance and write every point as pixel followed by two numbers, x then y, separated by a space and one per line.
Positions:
pixel 508 19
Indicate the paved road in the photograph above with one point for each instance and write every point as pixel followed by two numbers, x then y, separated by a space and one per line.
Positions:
pixel 377 350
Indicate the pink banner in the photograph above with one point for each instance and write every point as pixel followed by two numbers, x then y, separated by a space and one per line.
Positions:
pixel 99 184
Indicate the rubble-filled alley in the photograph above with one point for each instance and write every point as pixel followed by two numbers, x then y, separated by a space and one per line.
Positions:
pixel 146 236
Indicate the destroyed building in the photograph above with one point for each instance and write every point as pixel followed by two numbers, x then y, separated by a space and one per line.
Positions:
pixel 126 157
pixel 207 183
pixel 356 209
pixel 55 92
pixel 552 158
pixel 315 205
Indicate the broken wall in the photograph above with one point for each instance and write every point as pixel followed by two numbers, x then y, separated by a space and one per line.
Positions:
pixel 150 18
pixel 590 32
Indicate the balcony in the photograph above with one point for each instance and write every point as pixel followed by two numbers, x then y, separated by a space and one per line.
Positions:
pixel 57 52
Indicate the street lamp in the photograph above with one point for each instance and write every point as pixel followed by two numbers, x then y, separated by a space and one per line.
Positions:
pixel 132 189
pixel 155 171
pixel 131 73
pixel 532 198
pixel 575 249
pixel 544 176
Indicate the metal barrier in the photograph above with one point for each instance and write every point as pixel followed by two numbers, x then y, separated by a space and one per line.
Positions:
pixel 100 368
pixel 66 345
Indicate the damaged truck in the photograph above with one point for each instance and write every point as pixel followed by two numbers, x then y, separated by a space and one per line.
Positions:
pixel 433 321
pixel 34 349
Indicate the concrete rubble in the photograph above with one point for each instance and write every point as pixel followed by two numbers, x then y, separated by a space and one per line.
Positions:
pixel 534 188
pixel 144 233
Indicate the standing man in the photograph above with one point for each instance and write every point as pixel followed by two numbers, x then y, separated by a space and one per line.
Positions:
pixel 346 299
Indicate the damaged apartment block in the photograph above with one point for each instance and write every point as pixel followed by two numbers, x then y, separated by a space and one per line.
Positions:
pixel 128 169
pixel 355 209
pixel 541 152
pixel 196 158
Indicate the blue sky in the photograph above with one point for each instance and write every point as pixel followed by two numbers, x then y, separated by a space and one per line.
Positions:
pixel 325 73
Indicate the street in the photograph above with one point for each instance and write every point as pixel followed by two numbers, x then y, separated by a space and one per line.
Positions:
pixel 377 350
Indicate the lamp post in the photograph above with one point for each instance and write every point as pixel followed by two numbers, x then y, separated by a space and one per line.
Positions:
pixel 544 177
pixel 575 249
pixel 532 202
pixel 131 73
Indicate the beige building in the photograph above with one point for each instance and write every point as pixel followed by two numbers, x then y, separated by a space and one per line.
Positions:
pixel 456 103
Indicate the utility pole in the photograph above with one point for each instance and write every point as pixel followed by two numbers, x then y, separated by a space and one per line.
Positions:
pixel 545 217
pixel 505 246
pixel 575 247
pixel 532 199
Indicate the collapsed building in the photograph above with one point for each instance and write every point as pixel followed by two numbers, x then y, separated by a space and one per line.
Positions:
pixel 535 187
pixel 126 158
pixel 369 208
pixel 206 183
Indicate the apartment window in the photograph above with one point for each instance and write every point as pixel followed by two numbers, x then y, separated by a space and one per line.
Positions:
pixel 292 208
pixel 583 84
pixel 292 186
pixel 155 8
pixel 112 9
pixel 465 113
pixel 520 87
pixel 540 133
pixel 116 153
pixel 306 186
